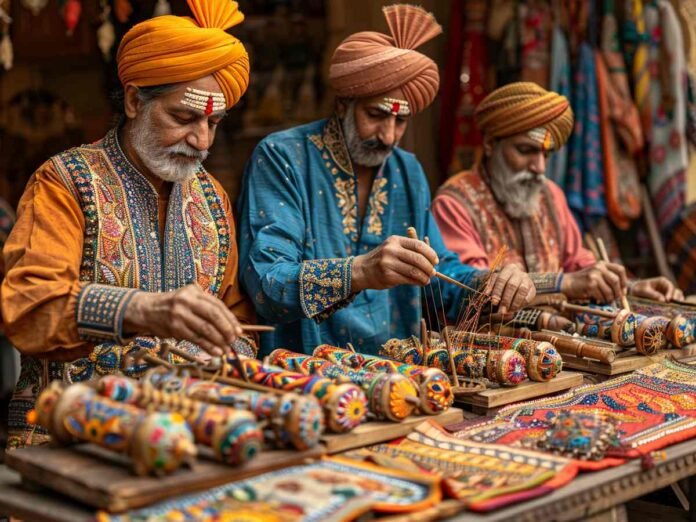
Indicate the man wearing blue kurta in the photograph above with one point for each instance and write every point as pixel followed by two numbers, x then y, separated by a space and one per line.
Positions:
pixel 325 208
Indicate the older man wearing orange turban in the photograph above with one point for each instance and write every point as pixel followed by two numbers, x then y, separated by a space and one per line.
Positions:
pixel 129 240
pixel 506 201
pixel 325 207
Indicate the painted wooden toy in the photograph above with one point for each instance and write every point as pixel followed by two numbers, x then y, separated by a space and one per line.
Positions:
pixel 506 367
pixel 541 358
pixel 619 326
pixel 288 419
pixel 234 435
pixel 434 388
pixel 390 396
pixel 157 443
pixel 344 404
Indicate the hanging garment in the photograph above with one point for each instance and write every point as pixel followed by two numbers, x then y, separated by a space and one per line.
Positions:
pixel 668 147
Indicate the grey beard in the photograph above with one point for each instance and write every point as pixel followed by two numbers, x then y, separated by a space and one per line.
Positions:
pixel 163 162
pixel 517 192
pixel 360 151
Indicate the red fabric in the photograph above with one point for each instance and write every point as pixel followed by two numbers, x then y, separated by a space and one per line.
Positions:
pixel 475 226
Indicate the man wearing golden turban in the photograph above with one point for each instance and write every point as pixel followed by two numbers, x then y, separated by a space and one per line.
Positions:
pixel 325 207
pixel 129 240
pixel 507 201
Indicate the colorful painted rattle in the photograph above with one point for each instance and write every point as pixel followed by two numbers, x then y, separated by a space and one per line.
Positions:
pixel 157 443
pixel 434 388
pixel 390 396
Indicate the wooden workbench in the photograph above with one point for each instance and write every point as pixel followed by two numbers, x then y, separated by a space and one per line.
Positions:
pixel 588 495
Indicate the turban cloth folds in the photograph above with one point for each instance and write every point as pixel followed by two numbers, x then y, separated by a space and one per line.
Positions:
pixel 174 49
pixel 522 106
pixel 370 63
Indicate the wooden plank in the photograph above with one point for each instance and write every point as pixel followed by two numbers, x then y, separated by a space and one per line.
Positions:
pixel 375 432
pixel 501 396
pixel 102 479
pixel 625 362
pixel 37 506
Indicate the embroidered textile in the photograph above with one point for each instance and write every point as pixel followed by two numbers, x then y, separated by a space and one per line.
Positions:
pixel 669 156
pixel 484 476
pixel 324 284
pixel 299 224
pixel 332 489
pixel 651 408
pixel 579 436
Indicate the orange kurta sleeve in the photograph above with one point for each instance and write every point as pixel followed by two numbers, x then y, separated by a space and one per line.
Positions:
pixel 42 260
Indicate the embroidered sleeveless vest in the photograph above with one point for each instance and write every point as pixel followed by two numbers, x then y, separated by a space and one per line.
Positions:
pixel 536 243
pixel 122 248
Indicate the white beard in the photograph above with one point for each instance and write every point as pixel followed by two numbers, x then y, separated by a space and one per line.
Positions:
pixel 360 151
pixel 166 163
pixel 518 192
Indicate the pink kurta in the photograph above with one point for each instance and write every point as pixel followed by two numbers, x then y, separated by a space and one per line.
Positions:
pixel 475 226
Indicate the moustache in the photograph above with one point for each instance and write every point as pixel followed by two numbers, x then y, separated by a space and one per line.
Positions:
pixel 183 149
pixel 376 144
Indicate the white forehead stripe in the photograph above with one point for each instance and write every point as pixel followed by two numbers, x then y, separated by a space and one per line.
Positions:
pixel 204 101
pixel 543 136
pixel 395 106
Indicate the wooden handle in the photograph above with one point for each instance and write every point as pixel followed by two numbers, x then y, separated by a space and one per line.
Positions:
pixel 586 309
pixel 576 347
pixel 411 232
pixel 257 328
pixel 604 256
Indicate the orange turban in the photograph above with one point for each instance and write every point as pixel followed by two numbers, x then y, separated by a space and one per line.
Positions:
pixel 370 63
pixel 522 106
pixel 174 49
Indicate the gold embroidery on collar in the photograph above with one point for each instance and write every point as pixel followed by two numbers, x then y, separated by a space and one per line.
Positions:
pixel 336 145
pixel 379 201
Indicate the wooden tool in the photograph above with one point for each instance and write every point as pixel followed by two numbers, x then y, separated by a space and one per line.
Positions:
pixel 257 328
pixel 604 256
pixel 411 232
pixel 564 305
pixel 566 344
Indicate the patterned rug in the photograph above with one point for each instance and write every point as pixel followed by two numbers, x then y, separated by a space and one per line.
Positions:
pixel 483 476
pixel 648 409
pixel 331 489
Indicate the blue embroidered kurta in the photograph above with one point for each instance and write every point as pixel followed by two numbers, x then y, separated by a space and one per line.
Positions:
pixel 299 230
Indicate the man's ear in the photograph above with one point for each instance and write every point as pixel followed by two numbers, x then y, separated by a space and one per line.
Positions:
pixel 131 103
pixel 341 107
pixel 488 144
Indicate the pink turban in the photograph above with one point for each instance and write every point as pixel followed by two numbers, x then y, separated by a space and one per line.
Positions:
pixel 369 63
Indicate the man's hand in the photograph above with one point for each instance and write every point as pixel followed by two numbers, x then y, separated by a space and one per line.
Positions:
pixel 511 288
pixel 657 288
pixel 185 314
pixel 603 282
pixel 397 261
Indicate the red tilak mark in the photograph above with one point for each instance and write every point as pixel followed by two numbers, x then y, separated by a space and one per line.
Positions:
pixel 395 108
pixel 209 106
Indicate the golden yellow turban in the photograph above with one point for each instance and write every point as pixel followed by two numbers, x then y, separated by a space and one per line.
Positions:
pixel 370 63
pixel 175 49
pixel 522 106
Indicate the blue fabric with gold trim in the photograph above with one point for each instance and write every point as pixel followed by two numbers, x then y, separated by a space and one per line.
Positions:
pixel 299 228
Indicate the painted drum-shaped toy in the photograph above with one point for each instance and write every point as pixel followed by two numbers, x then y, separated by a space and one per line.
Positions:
pixel 434 388
pixel 650 335
pixel 542 359
pixel 158 443
pixel 680 331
